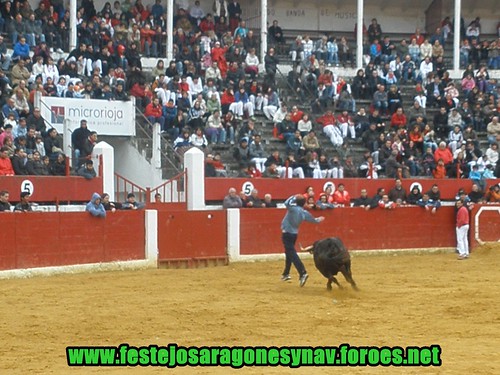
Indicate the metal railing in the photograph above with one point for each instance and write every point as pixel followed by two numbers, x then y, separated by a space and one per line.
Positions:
pixel 124 186
pixel 169 154
pixel 48 124
pixel 173 190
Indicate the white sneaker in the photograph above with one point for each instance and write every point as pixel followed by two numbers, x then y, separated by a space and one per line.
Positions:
pixel 286 278
pixel 59 50
pixel 303 279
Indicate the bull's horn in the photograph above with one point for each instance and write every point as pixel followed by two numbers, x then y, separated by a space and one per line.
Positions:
pixel 308 248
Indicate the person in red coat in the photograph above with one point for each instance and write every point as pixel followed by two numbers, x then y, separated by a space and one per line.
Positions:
pixel 296 115
pixel 444 153
pixel 5 163
pixel 219 55
pixel 330 128
pixel 154 113
pixel 341 197
pixel 462 230
pixel 398 119
pixel 346 124
pixel 207 24
pixel 139 92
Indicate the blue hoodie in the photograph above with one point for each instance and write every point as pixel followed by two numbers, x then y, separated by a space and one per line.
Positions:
pixel 94 208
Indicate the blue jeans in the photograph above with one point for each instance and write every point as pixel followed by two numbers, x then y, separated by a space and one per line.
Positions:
pixel 333 58
pixel 216 135
pixel 160 120
pixel 291 255
pixel 464 59
pixel 150 51
pixel 407 75
pixel 230 133
pixel 173 133
pixel 493 63
pixel 381 105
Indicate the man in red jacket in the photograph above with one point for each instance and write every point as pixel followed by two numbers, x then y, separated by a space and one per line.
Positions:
pixel 154 113
pixel 330 128
pixel 444 153
pixel 462 230
pixel 398 119
pixel 5 163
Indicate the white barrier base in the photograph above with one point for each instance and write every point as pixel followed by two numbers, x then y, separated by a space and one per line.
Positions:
pixel 354 254
pixel 78 268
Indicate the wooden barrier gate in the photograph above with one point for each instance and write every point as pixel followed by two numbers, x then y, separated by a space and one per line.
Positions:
pixel 192 238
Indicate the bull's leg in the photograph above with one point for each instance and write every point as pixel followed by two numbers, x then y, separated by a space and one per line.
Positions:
pixel 346 271
pixel 333 279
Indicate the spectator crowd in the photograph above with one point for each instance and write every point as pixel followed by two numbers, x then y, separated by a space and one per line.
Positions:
pixel 212 90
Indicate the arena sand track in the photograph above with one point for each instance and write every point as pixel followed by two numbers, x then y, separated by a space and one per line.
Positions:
pixel 404 300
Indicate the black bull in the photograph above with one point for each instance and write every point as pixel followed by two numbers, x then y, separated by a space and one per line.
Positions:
pixel 330 258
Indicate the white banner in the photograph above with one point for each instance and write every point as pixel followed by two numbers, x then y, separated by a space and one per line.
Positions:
pixel 103 116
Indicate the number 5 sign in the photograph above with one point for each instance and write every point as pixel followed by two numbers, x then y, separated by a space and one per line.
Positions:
pixel 247 188
pixel 27 186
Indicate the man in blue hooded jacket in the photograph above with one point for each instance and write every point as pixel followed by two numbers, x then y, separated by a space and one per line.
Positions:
pixel 95 207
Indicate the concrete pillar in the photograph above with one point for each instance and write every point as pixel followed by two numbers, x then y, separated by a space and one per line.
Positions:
pixel 194 161
pixel 233 234
pixel 151 223
pixel 66 135
pixel 170 30
pixel 263 30
pixel 72 25
pixel 156 157
pixel 108 167
pixel 359 35
pixel 456 36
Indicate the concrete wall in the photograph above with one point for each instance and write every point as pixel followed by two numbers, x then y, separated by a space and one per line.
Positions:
pixel 131 164
pixel 327 15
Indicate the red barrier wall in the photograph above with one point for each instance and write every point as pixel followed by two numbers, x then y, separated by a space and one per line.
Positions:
pixel 188 235
pixel 42 239
pixel 51 189
pixel 487 218
pixel 217 188
pixel 402 228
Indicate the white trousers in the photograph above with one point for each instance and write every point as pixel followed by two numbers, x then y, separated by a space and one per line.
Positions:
pixel 269 110
pixel 259 164
pixel 348 128
pixel 290 172
pixel 333 132
pixel 462 240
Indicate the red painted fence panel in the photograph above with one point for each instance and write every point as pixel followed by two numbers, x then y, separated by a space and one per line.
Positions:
pixel 42 239
pixel 51 189
pixel 402 228
pixel 487 218
pixel 192 234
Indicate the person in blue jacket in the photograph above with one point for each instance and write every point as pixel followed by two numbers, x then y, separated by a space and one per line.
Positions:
pixel 295 215
pixel 95 207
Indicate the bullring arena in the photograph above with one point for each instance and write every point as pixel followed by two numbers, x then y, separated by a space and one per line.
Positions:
pixel 187 272
pixel 410 299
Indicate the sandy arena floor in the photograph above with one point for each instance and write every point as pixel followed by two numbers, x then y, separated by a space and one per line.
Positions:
pixel 404 300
